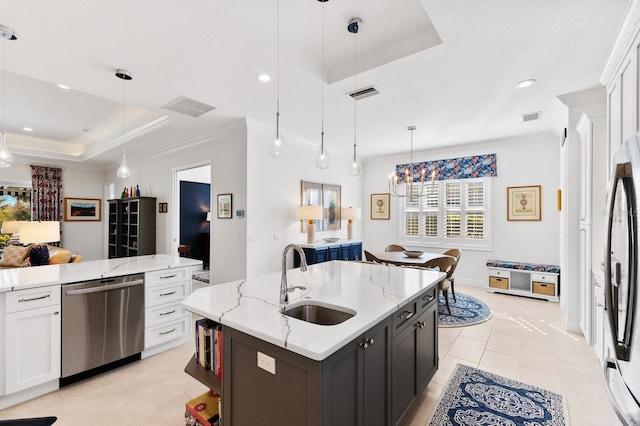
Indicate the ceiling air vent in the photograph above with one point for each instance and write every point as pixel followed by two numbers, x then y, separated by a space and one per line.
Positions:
pixel 365 92
pixel 531 116
pixel 187 106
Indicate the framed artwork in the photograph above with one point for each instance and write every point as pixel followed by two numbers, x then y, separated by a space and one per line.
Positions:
pixel 326 195
pixel 380 206
pixel 82 209
pixel 225 206
pixel 524 203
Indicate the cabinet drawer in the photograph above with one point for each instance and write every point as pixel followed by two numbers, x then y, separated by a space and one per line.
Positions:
pixel 497 282
pixel 428 298
pixel 544 278
pixel 544 288
pixel 162 313
pixel 404 315
pixel 165 276
pixel 498 273
pixel 32 298
pixel 165 332
pixel 172 292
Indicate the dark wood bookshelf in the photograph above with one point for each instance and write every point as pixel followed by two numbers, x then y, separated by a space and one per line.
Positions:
pixel 204 376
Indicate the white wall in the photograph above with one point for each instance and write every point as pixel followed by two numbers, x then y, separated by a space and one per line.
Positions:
pixel 86 238
pixel 226 151
pixel 273 195
pixel 523 161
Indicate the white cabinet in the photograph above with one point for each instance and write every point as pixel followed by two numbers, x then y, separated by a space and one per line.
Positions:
pixel 165 318
pixel 541 285
pixel 32 337
pixel 599 314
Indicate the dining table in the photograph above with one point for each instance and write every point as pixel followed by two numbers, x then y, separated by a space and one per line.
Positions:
pixel 400 259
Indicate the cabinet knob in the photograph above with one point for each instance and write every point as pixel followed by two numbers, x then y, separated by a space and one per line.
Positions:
pixel 56 313
pixel 366 343
pixel 599 305
pixel 420 324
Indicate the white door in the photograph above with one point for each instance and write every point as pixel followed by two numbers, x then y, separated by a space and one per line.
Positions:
pixel 585 131
pixel 32 347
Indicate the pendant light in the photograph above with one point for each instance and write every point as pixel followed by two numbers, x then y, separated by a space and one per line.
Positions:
pixel 355 168
pixel 277 147
pixel 124 172
pixel 6 159
pixel 323 160
pixel 409 178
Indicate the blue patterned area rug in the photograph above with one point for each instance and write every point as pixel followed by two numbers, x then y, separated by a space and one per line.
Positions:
pixel 476 397
pixel 466 310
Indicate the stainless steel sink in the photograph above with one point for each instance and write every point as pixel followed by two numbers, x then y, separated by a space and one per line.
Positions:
pixel 319 314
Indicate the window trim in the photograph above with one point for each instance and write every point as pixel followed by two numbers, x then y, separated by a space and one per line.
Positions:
pixel 441 241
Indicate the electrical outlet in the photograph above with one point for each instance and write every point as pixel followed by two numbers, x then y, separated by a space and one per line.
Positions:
pixel 267 363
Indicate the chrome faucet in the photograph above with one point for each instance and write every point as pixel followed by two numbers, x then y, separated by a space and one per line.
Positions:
pixel 284 287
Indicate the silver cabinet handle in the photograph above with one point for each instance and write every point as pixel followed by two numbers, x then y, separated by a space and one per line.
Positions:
pixel 168 276
pixel 34 298
pixel 420 324
pixel 599 305
pixel 406 315
pixel 429 298
pixel 162 333
pixel 103 288
pixel 167 313
pixel 168 294
pixel 366 343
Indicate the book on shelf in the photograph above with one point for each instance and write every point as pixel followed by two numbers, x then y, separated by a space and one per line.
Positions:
pixel 205 408
pixel 208 353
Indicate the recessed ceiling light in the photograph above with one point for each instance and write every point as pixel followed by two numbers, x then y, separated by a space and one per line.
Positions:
pixel 525 83
pixel 264 77
pixel 27 129
pixel 62 86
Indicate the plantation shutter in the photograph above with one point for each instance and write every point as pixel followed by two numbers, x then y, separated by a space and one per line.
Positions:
pixel 475 210
pixel 452 197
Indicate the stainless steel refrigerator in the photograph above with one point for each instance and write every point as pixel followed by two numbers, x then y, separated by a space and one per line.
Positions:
pixel 622 369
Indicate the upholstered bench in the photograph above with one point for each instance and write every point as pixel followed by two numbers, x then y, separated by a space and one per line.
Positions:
pixel 524 279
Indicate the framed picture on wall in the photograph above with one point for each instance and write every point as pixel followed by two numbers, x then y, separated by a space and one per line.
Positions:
pixel 524 203
pixel 380 206
pixel 82 209
pixel 225 206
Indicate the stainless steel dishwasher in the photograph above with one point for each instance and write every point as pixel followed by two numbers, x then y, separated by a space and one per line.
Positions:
pixel 102 324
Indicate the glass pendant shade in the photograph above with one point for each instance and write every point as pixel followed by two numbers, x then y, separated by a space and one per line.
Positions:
pixel 6 159
pixel 355 168
pixel 323 161
pixel 277 147
pixel 124 172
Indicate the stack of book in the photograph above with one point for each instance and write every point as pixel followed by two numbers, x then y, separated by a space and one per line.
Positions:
pixel 209 345
pixel 204 410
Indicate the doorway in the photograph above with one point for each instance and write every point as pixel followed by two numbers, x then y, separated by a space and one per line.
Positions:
pixel 193 199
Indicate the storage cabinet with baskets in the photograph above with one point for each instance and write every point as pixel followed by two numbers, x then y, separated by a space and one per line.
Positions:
pixel 524 279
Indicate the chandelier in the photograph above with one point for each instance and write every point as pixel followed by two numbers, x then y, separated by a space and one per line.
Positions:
pixel 409 179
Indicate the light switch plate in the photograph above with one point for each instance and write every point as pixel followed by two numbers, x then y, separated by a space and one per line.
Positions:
pixel 267 363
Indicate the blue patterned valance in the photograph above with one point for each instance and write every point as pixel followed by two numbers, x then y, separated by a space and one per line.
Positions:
pixel 453 168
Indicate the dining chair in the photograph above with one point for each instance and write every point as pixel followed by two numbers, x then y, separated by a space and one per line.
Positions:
pixel 371 258
pixel 453 253
pixel 394 247
pixel 443 264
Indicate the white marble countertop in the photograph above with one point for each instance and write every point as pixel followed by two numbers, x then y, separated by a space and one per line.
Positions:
pixel 39 276
pixel 252 306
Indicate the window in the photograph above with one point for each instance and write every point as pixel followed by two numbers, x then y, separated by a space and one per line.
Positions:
pixel 15 204
pixel 452 213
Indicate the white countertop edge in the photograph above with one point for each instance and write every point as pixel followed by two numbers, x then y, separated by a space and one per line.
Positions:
pixel 46 275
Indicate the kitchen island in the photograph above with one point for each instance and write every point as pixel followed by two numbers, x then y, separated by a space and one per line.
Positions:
pixel 368 369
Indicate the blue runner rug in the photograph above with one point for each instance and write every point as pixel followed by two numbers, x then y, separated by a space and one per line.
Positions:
pixel 476 397
pixel 466 311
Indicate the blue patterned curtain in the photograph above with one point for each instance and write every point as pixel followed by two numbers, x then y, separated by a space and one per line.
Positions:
pixel 453 168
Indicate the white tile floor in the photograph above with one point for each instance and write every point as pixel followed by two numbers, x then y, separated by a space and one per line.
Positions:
pixel 524 340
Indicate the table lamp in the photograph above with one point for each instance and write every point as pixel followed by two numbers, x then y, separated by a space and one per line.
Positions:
pixel 12 227
pixel 310 213
pixel 351 214
pixel 38 233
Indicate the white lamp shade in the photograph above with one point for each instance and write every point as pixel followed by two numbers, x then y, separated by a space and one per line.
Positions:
pixel 11 226
pixel 39 232
pixel 351 213
pixel 310 212
pixel 208 216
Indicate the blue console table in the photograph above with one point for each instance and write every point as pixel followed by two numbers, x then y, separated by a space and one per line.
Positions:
pixel 324 252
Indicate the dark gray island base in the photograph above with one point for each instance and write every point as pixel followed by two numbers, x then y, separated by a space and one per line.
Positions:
pixel 373 380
